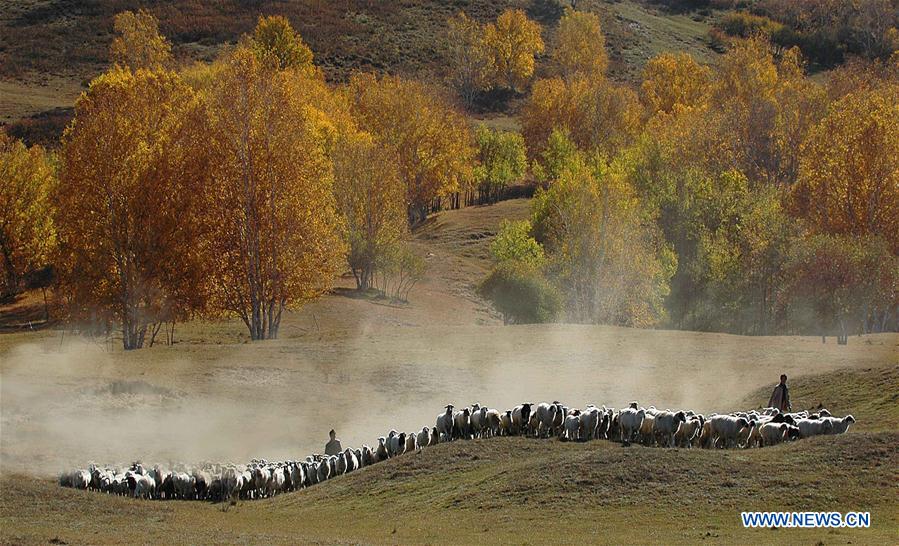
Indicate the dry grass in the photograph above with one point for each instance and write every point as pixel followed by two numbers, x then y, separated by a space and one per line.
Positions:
pixel 507 491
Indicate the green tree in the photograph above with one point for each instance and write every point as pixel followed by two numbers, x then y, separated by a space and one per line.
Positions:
pixel 605 258
pixel 502 161
pixel 513 242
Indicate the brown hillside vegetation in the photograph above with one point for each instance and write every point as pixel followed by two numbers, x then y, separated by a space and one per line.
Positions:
pixel 48 50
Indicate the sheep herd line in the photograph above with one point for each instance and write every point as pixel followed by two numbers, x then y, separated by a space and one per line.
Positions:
pixel 648 426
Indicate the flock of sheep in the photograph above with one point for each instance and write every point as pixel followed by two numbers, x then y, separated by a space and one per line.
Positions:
pixel 649 426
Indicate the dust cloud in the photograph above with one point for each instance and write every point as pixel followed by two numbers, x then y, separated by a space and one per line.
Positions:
pixel 67 404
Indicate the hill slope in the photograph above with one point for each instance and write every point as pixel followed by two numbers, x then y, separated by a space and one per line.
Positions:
pixel 507 490
pixel 50 48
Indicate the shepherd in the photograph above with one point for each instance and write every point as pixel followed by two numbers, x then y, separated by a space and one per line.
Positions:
pixel 333 446
pixel 780 398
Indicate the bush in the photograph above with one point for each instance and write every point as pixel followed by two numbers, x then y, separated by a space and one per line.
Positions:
pixel 521 294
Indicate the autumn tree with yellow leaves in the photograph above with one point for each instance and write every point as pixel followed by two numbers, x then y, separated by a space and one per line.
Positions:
pixel 598 115
pixel 371 196
pixel 27 235
pixel 468 58
pixel 434 148
pixel 849 168
pixel 277 233
pixel 138 43
pixel 131 177
pixel 511 44
pixel 580 45
pixel 273 36
pixel 672 81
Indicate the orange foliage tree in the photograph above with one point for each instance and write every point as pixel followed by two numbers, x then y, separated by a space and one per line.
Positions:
pixel 431 141
pixel 126 204
pixel 277 232
pixel 849 168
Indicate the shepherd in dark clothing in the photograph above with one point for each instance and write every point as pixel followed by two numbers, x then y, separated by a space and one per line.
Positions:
pixel 780 398
pixel 333 446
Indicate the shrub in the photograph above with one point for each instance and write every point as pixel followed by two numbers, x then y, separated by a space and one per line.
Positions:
pixel 521 294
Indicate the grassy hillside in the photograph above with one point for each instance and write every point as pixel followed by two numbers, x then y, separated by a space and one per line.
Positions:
pixel 50 48
pixel 871 395
pixel 503 490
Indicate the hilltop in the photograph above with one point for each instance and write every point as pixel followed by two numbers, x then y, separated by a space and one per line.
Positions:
pixel 49 50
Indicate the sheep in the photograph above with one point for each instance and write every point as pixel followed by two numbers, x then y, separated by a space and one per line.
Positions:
pixel 689 430
pixel 605 421
pixel 571 428
pixel 814 427
pixel 81 479
pixel 545 414
pixel 588 422
pixel 278 481
pixel 410 443
pixel 400 445
pixel 630 420
pixel 726 429
pixel 493 422
pixel 381 453
pixel 645 432
pixel 478 420
pixel 324 471
pixel 839 426
pixel 435 437
pixel 297 475
pixel 665 425
pixel 505 424
pixel 341 463
pixel 392 441
pixel 748 433
pixel 462 424
pixel 558 417
pixel 202 479
pixel 445 424
pixel 521 415
pixel 145 487
pixel 424 438
pixel 772 433
pixel 368 456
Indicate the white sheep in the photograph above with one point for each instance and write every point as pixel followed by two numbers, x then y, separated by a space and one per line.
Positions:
pixel 726 429
pixel 424 438
pixel 589 422
pixel 630 420
pixel 571 427
pixel 838 426
pixel 462 424
pixel 772 433
pixel 814 427
pixel 545 415
pixel 665 425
